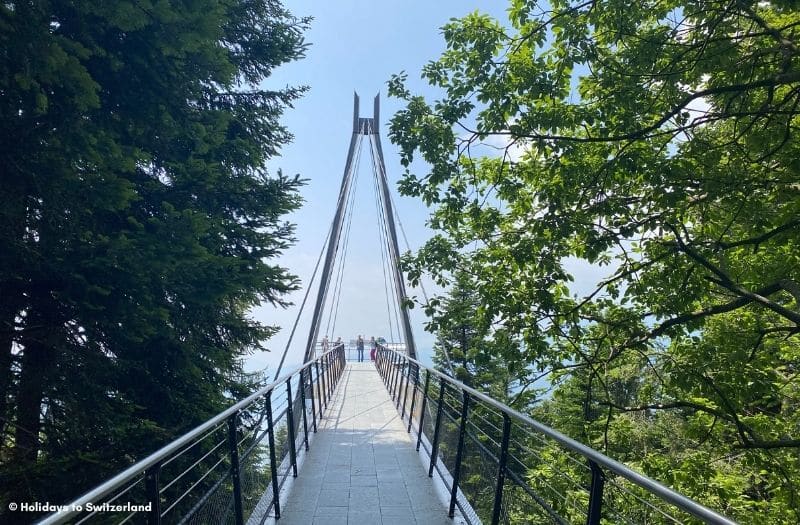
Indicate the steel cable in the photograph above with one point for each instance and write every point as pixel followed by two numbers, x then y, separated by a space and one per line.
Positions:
pixel 394 272
pixel 349 219
pixel 383 242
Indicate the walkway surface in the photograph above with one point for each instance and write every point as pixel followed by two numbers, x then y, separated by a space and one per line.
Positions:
pixel 362 467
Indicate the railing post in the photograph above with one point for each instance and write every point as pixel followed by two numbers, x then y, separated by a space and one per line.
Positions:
pixel 153 494
pixel 413 396
pixel 462 429
pixel 233 444
pixel 328 379
pixel 424 406
pixel 313 395
pixel 319 392
pixel 334 372
pixel 398 374
pixel 390 373
pixel 328 375
pixel 324 401
pixel 303 404
pixel 402 367
pixel 395 360
pixel 389 360
pixel 290 425
pixel 501 470
pixel 334 377
pixel 595 494
pixel 435 445
pixel 273 464
pixel 336 368
pixel 324 382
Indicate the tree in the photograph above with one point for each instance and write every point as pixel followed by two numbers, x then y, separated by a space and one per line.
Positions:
pixel 137 225
pixel 480 356
pixel 657 140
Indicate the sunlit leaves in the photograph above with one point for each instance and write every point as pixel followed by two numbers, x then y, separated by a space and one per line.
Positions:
pixel 655 145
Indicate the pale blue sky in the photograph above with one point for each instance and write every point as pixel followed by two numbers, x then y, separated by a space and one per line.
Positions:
pixel 355 46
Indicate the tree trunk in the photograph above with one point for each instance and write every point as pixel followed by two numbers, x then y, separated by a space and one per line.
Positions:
pixel 38 358
pixel 7 314
pixel 14 266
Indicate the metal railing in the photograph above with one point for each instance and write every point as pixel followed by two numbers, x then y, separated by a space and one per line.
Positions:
pixel 351 349
pixel 501 466
pixel 230 469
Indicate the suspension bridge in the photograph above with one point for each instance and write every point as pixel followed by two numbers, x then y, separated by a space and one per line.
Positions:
pixel 384 440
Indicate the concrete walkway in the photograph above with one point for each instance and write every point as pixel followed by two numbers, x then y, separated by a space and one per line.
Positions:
pixel 362 467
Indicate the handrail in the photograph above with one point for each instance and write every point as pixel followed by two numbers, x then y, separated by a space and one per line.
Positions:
pixel 350 348
pixel 153 460
pixel 665 493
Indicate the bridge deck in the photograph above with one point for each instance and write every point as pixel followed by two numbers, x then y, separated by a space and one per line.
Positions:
pixel 362 467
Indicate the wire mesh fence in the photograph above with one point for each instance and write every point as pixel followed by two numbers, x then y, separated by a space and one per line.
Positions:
pixel 501 466
pixel 226 471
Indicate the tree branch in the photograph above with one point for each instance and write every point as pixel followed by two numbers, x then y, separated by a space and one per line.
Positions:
pixel 781 443
pixel 761 238
pixel 670 406
pixel 726 282
pixel 711 310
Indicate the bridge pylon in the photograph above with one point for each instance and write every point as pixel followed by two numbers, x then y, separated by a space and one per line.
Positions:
pixel 369 127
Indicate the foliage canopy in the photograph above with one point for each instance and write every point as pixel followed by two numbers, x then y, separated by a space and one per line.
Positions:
pixel 656 140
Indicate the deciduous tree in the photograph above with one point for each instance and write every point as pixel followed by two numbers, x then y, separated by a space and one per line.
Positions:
pixel 655 139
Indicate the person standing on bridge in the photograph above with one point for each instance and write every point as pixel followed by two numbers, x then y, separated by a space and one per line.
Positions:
pixel 360 348
pixel 373 348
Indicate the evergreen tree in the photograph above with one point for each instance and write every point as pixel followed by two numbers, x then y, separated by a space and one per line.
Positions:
pixel 483 355
pixel 137 224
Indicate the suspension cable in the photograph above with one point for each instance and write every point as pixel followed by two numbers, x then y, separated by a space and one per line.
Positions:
pixel 394 272
pixel 308 288
pixel 339 253
pixel 383 242
pixel 303 304
pixel 384 262
pixel 331 300
pixel 346 243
